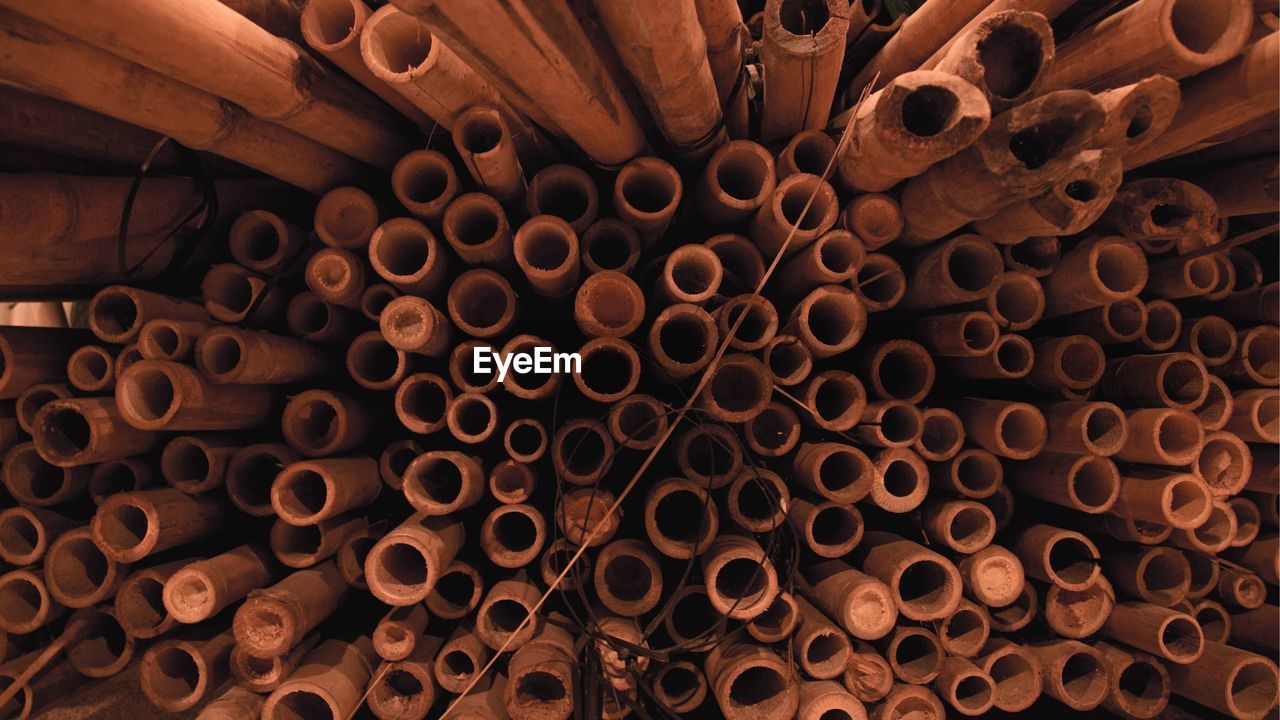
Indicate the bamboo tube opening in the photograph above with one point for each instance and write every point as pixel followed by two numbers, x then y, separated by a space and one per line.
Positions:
pixel 880 282
pixel 1182 381
pixel 1248 521
pixel 1010 56
pixel 186 463
pixel 903 371
pixel 1126 319
pixel 146 393
pixel 842 473
pixel 681 686
pixel 512 482
pixel 610 370
pixel 758 499
pixel 221 354
pixel 709 455
pixel 1105 428
pixel 693 616
pixel 544 246
pixel 456 593
pixel 1021 430
pixel 29 478
pixel 88 369
pixel 835 529
pixel 1164 325
pixel 439 480
pixel 788 359
pixel 610 245
pixel 404 249
pixel 684 521
pixel 1252 687
pixel 22 539
pixel 1180 639
pixel 1142 688
pixel 978 472
pixel 740 389
pixel 479 132
pixel 742 172
pixel 875 218
pixel 408 688
pixel 915 655
pixel 23 600
pixel 837 398
pixel 1165 577
pixel 692 274
pixel 759 321
pixel 582 452
pixel 824 654
pixel 900 423
pixel 638 422
pixel 377 364
pixel 1083 679
pixel 299 704
pixel 1017 614
pixel 396 44
pixel 1039 143
pixel 421 402
pixel 648 188
pixel 1081 362
pixel 979 332
pixel 607 304
pixel 759 689
pixel 965 632
pixel 1016 679
pixel 308 314
pixel 971 528
pixel 1018 301
pixel 477 227
pixel 423 180
pixel 106 651
pixel 927 587
pixel 741 582
pixel 795 198
pixel 840 254
pixel 1072 561
pixel 539 688
pixel 1260 350
pixel 250 475
pixel 1014 356
pixel 525 440
pixel 1179 436
pixel 1200 26
pixel 300 494
pixel 124 526
pixel 113 315
pixel 400 569
pixel 140 605
pixel 566 192
pixel 228 290
pixel 1212 339
pixel 1224 463
pixel 941 435
pixel 174 675
pixel 628 579
pixel 257 237
pixel 928 110
pixel 1036 256
pixel 1094 484
pixel 329 23
pixel 684 338
pixel 903 479
pixel 774 432
pixel 504 615
pixel 472 417
pixel 1120 267
pixel 1079 613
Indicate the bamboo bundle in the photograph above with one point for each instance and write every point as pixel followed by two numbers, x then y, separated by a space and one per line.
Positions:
pixel 749 485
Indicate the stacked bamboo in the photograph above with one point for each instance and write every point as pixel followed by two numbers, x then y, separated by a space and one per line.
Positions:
pixel 955 390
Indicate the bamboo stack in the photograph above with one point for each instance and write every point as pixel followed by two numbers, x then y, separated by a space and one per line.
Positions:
pixel 914 365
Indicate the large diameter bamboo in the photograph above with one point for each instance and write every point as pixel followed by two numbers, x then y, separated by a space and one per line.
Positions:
pixel 42 58
pixel 802 50
pixel 215 49
pixel 1229 680
pixel 330 682
pixel 1005 54
pixel 540 58
pixel 721 22
pixel 1177 38
pixel 160 395
pixel 1022 154
pixel 918 119
pixel 1219 103
pixel 663 48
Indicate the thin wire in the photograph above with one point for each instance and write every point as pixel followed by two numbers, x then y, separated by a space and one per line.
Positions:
pixel 701 386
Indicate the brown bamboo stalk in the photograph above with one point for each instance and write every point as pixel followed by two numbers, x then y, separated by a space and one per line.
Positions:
pixel 130 526
pixel 273 620
pixel 333 676
pixel 116 87
pixel 77 573
pixel 804 51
